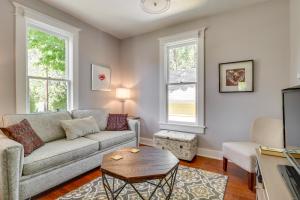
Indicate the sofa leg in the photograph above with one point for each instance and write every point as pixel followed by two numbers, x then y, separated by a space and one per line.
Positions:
pixel 225 162
pixel 251 181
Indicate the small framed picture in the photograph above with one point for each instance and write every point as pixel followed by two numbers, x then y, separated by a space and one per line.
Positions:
pixel 101 77
pixel 236 76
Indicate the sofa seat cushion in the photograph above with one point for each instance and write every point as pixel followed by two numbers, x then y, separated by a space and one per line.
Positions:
pixel 108 139
pixel 58 152
pixel 241 153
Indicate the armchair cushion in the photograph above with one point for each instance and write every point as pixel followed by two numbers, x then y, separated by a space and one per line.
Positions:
pixel 242 154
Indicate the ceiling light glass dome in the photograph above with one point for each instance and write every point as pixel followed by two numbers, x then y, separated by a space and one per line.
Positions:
pixel 155 6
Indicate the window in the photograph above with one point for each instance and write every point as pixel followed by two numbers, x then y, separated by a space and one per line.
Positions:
pixel 46 63
pixel 182 82
pixel 47 71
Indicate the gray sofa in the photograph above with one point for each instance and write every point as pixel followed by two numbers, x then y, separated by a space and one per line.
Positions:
pixel 59 159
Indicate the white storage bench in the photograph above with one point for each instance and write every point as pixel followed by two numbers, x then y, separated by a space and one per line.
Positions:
pixel 182 145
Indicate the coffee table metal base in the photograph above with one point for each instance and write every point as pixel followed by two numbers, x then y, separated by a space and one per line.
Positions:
pixel 168 180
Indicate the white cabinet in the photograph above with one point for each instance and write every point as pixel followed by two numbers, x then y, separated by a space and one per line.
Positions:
pixel 272 185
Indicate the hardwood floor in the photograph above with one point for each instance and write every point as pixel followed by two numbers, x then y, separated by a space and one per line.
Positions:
pixel 237 188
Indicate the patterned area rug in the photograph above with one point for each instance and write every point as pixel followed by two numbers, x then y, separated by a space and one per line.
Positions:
pixel 190 184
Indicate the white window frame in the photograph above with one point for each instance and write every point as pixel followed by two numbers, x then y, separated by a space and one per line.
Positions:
pixel 28 17
pixel 191 36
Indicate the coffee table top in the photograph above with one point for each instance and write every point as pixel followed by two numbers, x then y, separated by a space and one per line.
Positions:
pixel 150 163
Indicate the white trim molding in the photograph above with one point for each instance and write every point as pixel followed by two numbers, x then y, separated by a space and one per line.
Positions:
pixel 208 153
pixel 182 127
pixel 197 36
pixel 25 16
pixel 146 141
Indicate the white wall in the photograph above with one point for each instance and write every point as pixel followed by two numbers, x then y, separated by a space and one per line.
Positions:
pixel 95 46
pixel 260 32
pixel 295 42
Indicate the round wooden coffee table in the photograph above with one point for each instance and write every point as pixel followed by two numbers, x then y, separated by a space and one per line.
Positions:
pixel 148 164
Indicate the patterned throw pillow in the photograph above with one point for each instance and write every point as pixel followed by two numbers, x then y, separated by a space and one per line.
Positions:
pixel 117 122
pixel 23 133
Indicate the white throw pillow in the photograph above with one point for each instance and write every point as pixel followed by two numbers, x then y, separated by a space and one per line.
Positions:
pixel 76 128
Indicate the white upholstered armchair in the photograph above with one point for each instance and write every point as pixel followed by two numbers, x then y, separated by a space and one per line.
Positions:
pixel 265 131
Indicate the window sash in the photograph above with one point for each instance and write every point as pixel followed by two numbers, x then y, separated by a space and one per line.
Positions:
pixel 178 44
pixel 45 30
pixel 196 104
pixel 182 83
pixel 50 32
pixel 28 78
pixel 49 78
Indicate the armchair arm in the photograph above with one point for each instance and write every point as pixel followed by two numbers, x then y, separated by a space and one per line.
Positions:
pixel 134 125
pixel 11 166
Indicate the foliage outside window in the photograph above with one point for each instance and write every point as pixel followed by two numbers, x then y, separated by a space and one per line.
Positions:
pixel 47 71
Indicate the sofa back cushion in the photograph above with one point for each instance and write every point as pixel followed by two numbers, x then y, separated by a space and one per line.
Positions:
pixel 46 125
pixel 100 115
pixel 76 128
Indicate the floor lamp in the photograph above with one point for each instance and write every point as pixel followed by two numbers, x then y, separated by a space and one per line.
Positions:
pixel 122 94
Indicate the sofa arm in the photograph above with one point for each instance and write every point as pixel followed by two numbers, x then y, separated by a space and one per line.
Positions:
pixel 11 166
pixel 135 126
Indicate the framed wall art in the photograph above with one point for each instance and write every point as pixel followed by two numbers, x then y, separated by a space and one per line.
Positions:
pixel 101 78
pixel 236 76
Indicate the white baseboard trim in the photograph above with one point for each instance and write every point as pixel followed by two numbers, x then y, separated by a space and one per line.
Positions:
pixel 146 141
pixel 209 153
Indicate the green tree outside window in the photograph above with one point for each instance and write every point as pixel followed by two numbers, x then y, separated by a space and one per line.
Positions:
pixel 47 71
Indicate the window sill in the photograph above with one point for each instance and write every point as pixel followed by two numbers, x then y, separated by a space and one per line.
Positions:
pixel 182 127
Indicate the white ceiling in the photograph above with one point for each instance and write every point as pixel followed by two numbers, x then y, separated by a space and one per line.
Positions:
pixel 125 18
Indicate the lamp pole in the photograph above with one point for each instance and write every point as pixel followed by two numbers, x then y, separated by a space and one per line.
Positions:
pixel 123 106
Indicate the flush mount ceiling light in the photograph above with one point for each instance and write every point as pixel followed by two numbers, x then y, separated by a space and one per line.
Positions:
pixel 155 6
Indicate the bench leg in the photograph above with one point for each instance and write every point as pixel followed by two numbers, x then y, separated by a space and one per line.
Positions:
pixel 225 162
pixel 251 181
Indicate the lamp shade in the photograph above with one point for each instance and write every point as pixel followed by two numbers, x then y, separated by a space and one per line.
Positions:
pixel 122 93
